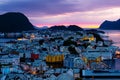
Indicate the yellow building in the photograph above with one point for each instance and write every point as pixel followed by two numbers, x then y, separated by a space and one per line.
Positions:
pixel 98 59
pixel 85 38
pixel 90 38
pixel 88 61
pixel 85 59
pixel 54 58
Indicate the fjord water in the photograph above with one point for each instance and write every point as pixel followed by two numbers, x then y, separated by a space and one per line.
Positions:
pixel 114 35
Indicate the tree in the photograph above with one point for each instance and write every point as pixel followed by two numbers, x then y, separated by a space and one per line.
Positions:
pixel 72 50
pixel 69 42
pixel 41 42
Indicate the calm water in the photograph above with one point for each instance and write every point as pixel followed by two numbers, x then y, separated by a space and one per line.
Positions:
pixel 114 35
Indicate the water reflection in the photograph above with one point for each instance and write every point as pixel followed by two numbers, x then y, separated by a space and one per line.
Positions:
pixel 114 35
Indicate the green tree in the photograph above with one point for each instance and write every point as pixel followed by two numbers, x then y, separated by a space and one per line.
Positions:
pixel 69 42
pixel 72 50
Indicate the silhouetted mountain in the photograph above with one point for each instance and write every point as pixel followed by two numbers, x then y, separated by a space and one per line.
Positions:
pixel 110 25
pixel 14 22
pixel 62 27
pixel 74 28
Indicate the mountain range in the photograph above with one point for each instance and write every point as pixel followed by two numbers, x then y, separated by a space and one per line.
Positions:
pixel 110 25
pixel 18 22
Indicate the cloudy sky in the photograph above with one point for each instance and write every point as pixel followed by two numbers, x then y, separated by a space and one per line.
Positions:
pixel 85 13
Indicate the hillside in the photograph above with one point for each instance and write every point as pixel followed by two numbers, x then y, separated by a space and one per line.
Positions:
pixel 70 27
pixel 14 22
pixel 110 25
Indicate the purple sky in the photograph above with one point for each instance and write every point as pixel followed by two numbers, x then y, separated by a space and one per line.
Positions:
pixel 85 13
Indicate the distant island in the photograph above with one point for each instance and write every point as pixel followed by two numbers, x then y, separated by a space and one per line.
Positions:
pixel 14 22
pixel 110 25
pixel 70 27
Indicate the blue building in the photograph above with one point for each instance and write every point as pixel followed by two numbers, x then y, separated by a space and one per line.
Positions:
pixel 5 70
pixel 69 62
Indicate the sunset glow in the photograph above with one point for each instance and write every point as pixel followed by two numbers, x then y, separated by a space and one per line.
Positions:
pixel 84 13
pixel 80 25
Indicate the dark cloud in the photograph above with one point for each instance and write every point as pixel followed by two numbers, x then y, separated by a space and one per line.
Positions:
pixel 38 7
pixel 55 7
pixel 40 11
